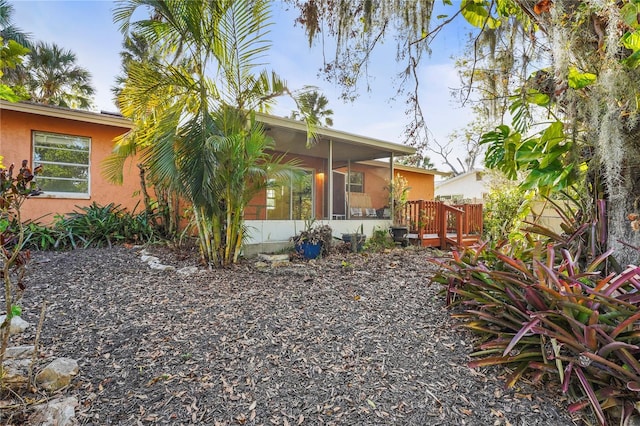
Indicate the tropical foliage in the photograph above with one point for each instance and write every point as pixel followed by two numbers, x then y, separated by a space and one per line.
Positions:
pixel 193 103
pixel 50 75
pixel 11 56
pixel 564 72
pixel 40 72
pixel 90 226
pixel 313 106
pixel 55 78
pixel 551 309
pixel 504 208
pixel 8 30
pixel 13 48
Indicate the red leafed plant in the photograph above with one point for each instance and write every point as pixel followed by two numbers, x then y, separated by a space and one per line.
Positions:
pixel 14 190
pixel 551 310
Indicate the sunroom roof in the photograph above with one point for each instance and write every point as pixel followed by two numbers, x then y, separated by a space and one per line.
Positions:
pixel 291 136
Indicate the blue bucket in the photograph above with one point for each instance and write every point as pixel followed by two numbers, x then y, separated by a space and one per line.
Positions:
pixel 309 250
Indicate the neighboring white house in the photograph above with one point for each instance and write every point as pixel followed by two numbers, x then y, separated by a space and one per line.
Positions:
pixel 470 186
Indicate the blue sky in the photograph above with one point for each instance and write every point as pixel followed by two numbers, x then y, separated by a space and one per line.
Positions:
pixel 86 27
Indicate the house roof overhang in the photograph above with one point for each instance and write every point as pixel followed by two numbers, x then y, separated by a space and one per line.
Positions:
pixel 106 119
pixel 402 167
pixel 291 135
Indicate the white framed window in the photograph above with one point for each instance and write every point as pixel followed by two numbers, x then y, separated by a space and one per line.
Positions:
pixel 66 164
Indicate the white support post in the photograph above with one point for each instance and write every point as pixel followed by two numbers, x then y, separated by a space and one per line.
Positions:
pixel 330 180
pixel 348 212
pixel 391 201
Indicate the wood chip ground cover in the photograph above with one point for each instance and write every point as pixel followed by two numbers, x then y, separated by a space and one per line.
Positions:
pixel 346 340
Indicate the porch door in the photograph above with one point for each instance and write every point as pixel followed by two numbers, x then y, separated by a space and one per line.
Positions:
pixel 339 196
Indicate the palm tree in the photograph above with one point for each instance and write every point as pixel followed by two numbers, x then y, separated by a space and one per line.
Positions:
pixel 136 48
pixel 13 48
pixel 193 110
pixel 8 31
pixel 313 107
pixel 52 76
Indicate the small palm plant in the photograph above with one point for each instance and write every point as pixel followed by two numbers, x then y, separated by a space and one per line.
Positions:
pixel 398 196
pixel 193 102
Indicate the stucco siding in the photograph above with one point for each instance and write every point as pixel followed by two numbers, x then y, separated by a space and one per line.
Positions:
pixel 16 129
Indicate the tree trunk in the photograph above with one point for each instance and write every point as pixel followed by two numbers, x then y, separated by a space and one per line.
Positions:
pixel 624 200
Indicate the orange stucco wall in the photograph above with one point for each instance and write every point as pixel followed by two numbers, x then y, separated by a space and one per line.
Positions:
pixel 422 185
pixel 15 145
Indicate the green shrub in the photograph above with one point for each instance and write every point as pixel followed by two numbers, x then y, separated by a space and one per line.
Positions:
pixel 380 240
pixel 503 212
pixel 92 226
pixel 98 226
pixel 39 237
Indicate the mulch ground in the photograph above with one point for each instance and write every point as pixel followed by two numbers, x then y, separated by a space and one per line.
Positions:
pixel 346 340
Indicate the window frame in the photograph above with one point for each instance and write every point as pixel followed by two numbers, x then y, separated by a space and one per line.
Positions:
pixel 270 195
pixel 62 194
pixel 350 185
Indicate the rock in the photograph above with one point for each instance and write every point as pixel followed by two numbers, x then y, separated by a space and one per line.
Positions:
pixel 16 372
pixel 149 259
pixel 19 351
pixel 57 412
pixel 18 325
pixel 57 374
pixel 261 265
pixel 160 267
pixel 274 260
pixel 16 366
pixel 188 270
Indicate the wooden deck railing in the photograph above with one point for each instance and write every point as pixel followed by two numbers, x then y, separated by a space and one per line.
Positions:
pixel 436 224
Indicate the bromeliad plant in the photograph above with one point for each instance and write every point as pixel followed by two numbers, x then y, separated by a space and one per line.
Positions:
pixel 98 226
pixel 545 314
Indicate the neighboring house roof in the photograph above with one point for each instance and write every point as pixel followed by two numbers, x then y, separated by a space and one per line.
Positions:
pixel 109 119
pixel 460 177
pixel 470 185
pixel 289 133
pixel 402 167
